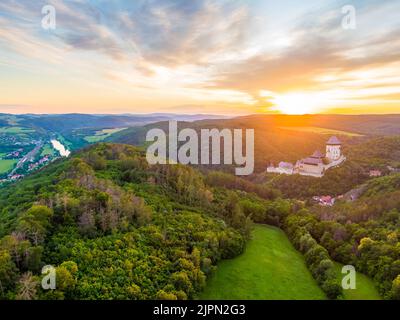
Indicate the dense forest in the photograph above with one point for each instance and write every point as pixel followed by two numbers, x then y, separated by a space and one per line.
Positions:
pixel 115 227
pixel 364 233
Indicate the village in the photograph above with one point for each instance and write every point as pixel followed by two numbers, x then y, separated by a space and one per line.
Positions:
pixel 26 161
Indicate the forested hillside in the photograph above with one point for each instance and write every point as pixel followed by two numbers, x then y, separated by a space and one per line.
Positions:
pixel 273 143
pixel 363 233
pixel 372 154
pixel 114 228
pixel 290 138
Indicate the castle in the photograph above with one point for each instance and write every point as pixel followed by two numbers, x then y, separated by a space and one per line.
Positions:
pixel 316 164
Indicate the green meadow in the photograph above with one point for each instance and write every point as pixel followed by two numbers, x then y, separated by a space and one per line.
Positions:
pixel 322 131
pixel 365 287
pixel 6 165
pixel 15 130
pixel 102 134
pixel 47 149
pixel 270 269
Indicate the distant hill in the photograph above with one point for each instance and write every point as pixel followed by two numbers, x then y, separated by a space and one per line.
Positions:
pixel 360 124
pixel 283 137
pixel 76 130
pixel 67 122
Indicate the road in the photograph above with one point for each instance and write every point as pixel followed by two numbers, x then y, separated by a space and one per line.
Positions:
pixel 29 156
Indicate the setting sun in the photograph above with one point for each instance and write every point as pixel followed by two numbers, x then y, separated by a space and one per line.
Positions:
pixel 296 102
pixel 116 62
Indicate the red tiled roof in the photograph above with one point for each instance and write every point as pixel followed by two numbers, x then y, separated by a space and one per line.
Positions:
pixel 334 141
pixel 317 154
pixel 286 165
pixel 312 161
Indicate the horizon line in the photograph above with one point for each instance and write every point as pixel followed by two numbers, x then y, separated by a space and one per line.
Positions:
pixel 200 114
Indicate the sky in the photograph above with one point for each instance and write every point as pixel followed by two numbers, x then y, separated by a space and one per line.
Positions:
pixel 200 56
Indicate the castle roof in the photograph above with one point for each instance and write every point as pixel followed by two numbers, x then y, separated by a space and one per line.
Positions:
pixel 312 161
pixel 317 154
pixel 333 141
pixel 285 165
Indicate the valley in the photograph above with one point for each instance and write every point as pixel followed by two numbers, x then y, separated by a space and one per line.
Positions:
pixel 28 142
pixel 121 228
pixel 23 151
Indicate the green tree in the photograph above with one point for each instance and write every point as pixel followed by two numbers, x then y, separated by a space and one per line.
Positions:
pixel 8 271
pixel 34 223
pixel 396 288
pixel 66 276
pixel 162 295
pixel 332 288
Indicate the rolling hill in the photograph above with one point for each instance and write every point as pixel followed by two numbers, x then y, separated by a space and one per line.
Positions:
pixel 282 137
pixel 113 227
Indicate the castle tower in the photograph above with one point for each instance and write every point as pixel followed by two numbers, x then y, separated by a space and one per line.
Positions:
pixel 333 149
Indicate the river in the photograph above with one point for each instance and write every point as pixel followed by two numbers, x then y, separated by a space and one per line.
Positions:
pixel 60 148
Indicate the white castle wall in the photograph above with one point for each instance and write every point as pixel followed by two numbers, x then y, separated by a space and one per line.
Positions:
pixel 333 152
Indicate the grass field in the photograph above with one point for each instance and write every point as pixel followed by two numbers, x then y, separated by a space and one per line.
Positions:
pixel 322 131
pixel 102 134
pixel 365 287
pixel 6 165
pixel 15 130
pixel 47 149
pixel 270 269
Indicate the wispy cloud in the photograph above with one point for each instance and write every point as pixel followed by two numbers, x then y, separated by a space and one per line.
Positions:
pixel 323 58
pixel 162 53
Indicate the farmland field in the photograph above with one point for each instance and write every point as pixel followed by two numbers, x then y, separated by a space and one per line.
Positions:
pixel 102 134
pixel 47 149
pixel 270 269
pixel 6 165
pixel 15 130
pixel 322 131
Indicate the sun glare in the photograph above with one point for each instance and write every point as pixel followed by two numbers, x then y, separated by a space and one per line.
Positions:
pixel 298 103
